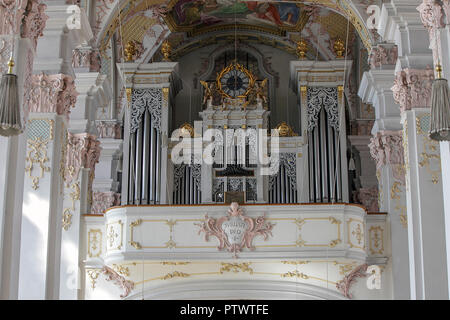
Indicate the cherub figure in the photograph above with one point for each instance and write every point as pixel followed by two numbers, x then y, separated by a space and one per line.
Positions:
pixel 208 94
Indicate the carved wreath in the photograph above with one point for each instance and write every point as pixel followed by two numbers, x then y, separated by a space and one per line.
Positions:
pixel 255 226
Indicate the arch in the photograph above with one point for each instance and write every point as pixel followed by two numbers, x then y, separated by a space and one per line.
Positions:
pixel 125 7
pixel 233 289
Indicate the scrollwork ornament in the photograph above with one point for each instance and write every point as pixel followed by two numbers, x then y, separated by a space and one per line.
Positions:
pixel 143 100
pixel 319 97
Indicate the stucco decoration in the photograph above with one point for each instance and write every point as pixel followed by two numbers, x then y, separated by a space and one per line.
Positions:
pixel 119 280
pixel 86 58
pixel 368 197
pixel 383 55
pixel 235 231
pixel 432 18
pixel 52 93
pixel 11 18
pixel 412 88
pixel 104 200
pixel 345 284
pixel 34 21
pixel 446 7
pixel 386 148
pixel 109 129
pixel 83 151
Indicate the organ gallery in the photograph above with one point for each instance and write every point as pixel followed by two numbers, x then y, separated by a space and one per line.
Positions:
pixel 212 149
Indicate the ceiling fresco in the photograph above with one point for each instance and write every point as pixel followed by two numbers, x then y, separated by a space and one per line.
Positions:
pixel 193 15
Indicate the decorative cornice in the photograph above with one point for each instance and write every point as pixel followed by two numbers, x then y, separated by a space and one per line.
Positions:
pixel 412 88
pixel 52 93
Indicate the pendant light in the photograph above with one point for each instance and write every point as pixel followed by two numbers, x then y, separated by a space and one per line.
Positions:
pixel 440 104
pixel 10 123
pixel 440 108
pixel 10 120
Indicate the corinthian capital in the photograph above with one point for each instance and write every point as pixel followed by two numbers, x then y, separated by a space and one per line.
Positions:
pixel 412 88
pixel 52 93
pixel 10 17
pixel 386 148
pixel 34 21
pixel 83 151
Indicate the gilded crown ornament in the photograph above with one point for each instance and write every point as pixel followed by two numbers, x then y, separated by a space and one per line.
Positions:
pixel 166 50
pixel 339 48
pixel 302 49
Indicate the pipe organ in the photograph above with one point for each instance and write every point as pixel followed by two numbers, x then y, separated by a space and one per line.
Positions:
pixel 312 166
pixel 325 176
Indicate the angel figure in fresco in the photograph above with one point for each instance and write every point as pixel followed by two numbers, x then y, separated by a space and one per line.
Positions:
pixel 264 11
pixel 192 12
pixel 208 93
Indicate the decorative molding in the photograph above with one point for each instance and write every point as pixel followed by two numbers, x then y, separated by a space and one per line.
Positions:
pixel 119 280
pixel 52 93
pixel 235 231
pixel 412 88
pixel 345 284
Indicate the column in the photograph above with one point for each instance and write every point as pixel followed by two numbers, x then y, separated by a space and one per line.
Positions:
pixel 386 149
pixel 439 27
pixel 24 34
pixel 52 96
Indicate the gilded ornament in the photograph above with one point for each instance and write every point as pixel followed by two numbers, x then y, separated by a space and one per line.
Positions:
pixel 67 219
pixel 175 274
pixel 166 50
pixel 339 48
pixel 302 49
pixel 130 51
pixel 295 274
pixel 236 267
pixel 187 129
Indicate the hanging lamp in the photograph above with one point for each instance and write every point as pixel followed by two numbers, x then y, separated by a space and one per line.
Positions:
pixel 440 108
pixel 10 123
